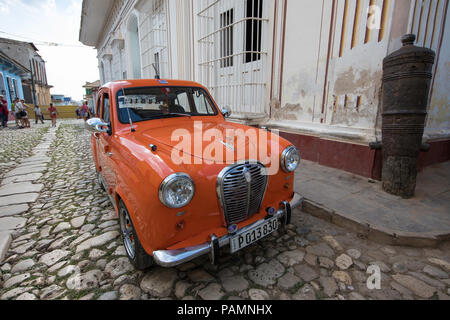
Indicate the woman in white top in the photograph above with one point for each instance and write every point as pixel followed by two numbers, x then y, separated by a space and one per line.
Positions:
pixel 19 111
pixel 25 117
pixel 38 114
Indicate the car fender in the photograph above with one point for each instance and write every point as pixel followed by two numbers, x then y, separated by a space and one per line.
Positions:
pixel 131 190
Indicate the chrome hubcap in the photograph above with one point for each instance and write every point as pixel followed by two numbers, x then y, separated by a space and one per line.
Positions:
pixel 127 233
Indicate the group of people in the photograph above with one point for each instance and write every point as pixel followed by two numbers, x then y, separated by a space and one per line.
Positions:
pixel 20 112
pixel 83 112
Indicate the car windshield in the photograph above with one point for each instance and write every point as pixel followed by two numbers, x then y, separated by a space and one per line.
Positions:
pixel 149 103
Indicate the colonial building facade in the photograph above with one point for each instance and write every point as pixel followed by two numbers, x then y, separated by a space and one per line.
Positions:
pixel 27 54
pixel 309 68
pixel 91 93
pixel 11 73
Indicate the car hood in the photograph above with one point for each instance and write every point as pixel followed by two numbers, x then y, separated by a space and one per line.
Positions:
pixel 210 140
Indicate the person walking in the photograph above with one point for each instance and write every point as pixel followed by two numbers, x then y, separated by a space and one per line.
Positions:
pixel 19 113
pixel 4 112
pixel 85 111
pixel 25 117
pixel 53 113
pixel 38 114
pixel 13 110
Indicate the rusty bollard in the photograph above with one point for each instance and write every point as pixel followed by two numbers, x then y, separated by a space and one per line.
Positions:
pixel 407 75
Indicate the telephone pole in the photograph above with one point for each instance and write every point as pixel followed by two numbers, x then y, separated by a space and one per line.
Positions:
pixel 33 90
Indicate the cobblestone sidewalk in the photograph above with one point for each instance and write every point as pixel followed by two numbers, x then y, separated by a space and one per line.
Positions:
pixel 67 246
pixel 360 204
pixel 16 145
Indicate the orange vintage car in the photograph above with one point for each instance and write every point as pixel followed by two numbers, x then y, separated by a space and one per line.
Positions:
pixel 184 181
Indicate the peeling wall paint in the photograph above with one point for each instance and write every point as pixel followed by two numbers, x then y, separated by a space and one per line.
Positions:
pixel 324 67
pixel 304 60
pixel 356 98
pixel 288 112
pixel 349 72
pixel 346 63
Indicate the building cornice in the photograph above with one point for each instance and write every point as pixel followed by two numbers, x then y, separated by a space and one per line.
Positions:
pixel 94 16
pixel 119 42
pixel 107 56
pixel 112 22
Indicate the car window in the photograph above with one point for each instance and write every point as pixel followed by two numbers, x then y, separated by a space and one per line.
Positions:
pixel 149 103
pixel 202 102
pixel 106 115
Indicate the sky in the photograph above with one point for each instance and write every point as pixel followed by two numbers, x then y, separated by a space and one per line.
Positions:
pixel 70 66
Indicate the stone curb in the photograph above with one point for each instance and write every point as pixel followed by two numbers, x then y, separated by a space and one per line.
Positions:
pixel 38 157
pixel 379 234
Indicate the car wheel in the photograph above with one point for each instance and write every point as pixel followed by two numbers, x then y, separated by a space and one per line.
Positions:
pixel 136 253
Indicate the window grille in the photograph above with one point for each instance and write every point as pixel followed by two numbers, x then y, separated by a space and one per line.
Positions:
pixel 154 40
pixel 12 92
pixel 16 88
pixel 253 28
pixel 231 39
pixel 226 39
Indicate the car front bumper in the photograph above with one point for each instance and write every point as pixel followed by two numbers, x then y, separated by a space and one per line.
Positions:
pixel 171 258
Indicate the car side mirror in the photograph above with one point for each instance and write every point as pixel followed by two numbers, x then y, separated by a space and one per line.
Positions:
pixel 96 125
pixel 226 113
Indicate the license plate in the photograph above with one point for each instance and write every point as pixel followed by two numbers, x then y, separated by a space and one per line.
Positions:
pixel 251 236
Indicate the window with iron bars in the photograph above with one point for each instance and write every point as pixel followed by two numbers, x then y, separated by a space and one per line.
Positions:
pixel 154 39
pixel 253 27
pixel 12 92
pixel 231 52
pixel 226 39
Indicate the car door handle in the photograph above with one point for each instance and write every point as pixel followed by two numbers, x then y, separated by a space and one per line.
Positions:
pixel 109 154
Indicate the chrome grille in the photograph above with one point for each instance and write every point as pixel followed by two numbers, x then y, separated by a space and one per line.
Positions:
pixel 241 189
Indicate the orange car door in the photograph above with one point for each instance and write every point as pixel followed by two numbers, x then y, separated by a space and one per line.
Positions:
pixel 96 136
pixel 105 153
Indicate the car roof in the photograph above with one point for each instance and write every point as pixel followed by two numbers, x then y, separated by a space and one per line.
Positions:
pixel 116 85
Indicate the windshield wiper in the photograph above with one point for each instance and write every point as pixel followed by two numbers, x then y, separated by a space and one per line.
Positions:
pixel 179 114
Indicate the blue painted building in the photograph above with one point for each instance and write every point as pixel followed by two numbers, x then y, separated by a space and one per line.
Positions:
pixel 11 73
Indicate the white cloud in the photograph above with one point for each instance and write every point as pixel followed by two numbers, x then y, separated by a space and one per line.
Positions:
pixel 54 21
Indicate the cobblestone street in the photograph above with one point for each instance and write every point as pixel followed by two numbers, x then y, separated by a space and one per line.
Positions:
pixel 62 241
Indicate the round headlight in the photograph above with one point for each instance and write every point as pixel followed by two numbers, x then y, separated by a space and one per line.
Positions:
pixel 290 159
pixel 177 190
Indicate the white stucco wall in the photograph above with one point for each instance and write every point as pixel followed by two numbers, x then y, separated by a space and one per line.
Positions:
pixel 438 121
pixel 328 73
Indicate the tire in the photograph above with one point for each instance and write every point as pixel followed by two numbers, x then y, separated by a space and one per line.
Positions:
pixel 135 252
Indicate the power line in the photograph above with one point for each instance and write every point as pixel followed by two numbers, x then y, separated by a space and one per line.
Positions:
pixel 44 43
